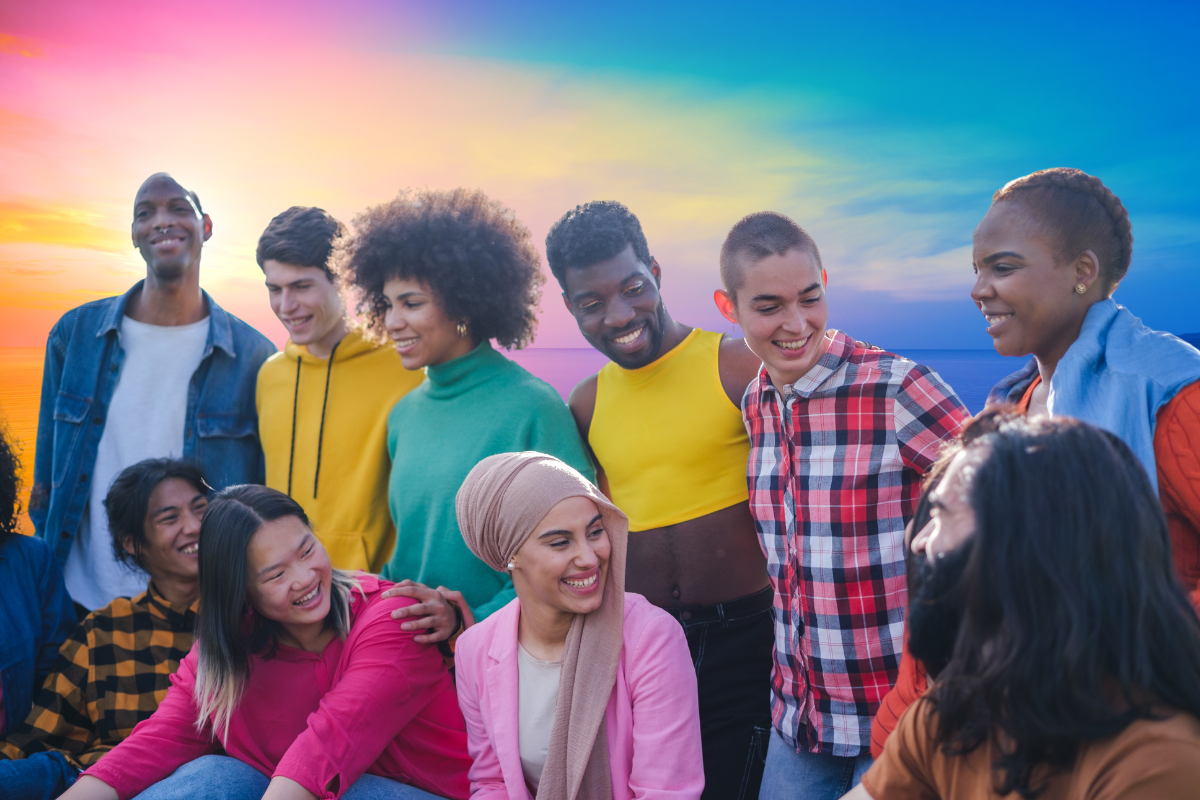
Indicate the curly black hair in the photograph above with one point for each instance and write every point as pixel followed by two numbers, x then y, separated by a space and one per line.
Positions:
pixel 591 233
pixel 10 484
pixel 470 250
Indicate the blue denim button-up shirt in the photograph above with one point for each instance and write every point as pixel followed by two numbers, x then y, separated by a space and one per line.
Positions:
pixel 83 362
pixel 37 617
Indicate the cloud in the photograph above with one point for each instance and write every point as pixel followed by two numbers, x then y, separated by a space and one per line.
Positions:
pixel 12 45
pixel 22 223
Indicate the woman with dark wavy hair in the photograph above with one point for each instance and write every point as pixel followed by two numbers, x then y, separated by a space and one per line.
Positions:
pixel 299 685
pixel 442 274
pixel 1075 668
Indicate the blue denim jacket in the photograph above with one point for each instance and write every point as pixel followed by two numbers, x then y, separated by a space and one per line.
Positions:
pixel 37 617
pixel 83 362
pixel 1116 375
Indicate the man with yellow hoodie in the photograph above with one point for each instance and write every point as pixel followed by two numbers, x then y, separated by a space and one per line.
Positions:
pixel 323 402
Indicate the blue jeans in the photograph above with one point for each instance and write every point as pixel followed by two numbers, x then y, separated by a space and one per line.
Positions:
pixel 42 776
pixel 226 778
pixel 812 776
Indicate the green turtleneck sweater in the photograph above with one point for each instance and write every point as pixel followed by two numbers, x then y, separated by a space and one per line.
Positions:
pixel 470 408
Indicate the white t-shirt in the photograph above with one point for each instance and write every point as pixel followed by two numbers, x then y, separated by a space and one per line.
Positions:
pixel 145 420
pixel 537 697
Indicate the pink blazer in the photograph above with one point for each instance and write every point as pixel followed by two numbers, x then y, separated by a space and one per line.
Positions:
pixel 653 716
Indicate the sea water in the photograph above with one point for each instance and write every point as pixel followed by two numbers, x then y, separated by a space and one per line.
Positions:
pixel 971 373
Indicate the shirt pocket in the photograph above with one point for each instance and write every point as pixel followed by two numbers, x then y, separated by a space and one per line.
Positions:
pixel 225 426
pixel 70 417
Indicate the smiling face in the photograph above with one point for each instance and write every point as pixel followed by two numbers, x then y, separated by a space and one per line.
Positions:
pixel 563 564
pixel 288 575
pixel 423 334
pixel 952 517
pixel 172 528
pixel 308 305
pixel 782 310
pixel 1028 295
pixel 168 229
pixel 618 308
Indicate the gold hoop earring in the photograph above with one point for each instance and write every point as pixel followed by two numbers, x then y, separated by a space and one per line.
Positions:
pixel 461 330
pixel 1079 289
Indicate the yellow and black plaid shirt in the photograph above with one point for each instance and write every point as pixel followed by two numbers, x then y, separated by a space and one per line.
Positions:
pixel 111 674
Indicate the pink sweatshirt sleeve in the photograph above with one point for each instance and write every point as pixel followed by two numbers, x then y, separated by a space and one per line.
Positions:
pixel 487 780
pixel 387 680
pixel 161 744
pixel 667 760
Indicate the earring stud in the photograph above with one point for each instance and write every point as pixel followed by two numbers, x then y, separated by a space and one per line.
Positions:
pixel 1079 289
pixel 461 330
pixel 511 565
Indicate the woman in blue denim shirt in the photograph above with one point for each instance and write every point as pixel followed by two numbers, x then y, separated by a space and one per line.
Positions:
pixel 37 613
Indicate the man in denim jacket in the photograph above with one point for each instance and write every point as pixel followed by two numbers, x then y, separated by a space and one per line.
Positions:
pixel 159 371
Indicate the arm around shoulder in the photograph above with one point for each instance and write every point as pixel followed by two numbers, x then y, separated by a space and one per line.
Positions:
pixel 927 413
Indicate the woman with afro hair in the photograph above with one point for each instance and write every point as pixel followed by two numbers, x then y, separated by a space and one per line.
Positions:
pixel 442 274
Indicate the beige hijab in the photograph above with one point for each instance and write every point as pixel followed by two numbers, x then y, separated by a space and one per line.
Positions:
pixel 501 501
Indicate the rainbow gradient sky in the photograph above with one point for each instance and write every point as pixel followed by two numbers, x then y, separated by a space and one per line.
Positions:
pixel 883 128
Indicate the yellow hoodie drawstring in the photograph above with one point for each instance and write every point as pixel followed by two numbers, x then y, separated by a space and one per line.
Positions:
pixel 321 430
pixel 295 400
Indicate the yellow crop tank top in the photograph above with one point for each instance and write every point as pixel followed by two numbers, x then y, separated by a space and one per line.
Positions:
pixel 670 442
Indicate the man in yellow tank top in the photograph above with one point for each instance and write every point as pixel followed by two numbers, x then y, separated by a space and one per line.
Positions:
pixel 664 423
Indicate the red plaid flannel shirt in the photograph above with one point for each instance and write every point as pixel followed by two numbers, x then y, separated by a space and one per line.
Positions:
pixel 835 466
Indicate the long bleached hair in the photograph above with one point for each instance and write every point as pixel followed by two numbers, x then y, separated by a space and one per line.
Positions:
pixel 228 633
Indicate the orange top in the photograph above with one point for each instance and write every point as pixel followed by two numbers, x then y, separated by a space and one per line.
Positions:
pixel 911 683
pixel 1152 759
pixel 1177 456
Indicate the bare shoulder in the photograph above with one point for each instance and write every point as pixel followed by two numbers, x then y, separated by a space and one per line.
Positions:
pixel 738 366
pixel 582 403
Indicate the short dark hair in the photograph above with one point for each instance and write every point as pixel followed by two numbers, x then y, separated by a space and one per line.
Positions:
pixel 10 484
pixel 302 236
pixel 1075 623
pixel 1079 213
pixel 591 233
pixel 757 236
pixel 472 252
pixel 128 499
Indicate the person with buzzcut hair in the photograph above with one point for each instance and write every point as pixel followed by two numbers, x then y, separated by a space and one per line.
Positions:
pixel 840 435
pixel 160 371
pixel 664 425
pixel 323 401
